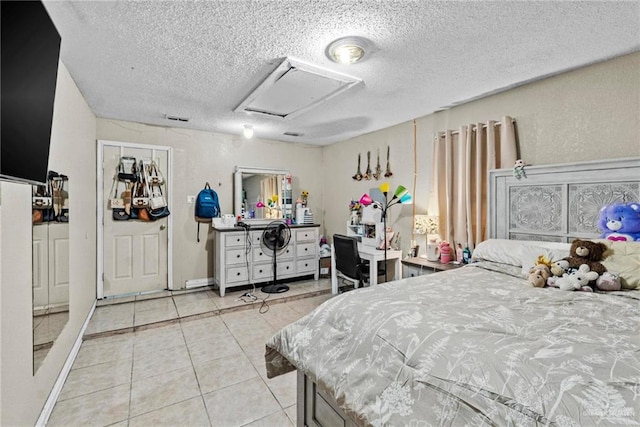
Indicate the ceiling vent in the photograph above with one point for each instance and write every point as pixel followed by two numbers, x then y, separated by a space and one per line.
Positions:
pixel 176 118
pixel 294 88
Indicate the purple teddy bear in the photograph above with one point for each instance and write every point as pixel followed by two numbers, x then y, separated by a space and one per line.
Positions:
pixel 620 221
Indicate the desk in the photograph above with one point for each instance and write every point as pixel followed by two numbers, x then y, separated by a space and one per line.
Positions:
pixel 372 255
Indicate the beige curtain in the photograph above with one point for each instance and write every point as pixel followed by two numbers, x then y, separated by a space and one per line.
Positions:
pixel 461 161
pixel 269 187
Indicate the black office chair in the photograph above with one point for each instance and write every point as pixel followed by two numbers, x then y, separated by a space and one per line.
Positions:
pixel 349 265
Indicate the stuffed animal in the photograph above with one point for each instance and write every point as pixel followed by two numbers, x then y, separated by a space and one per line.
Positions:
pixel 587 252
pixel 578 280
pixel 518 169
pixel 608 282
pixel 558 268
pixel 538 275
pixel 620 221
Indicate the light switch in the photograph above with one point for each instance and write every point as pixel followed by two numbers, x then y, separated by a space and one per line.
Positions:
pixel 191 199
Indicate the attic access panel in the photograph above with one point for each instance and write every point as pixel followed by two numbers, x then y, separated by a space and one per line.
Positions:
pixel 294 88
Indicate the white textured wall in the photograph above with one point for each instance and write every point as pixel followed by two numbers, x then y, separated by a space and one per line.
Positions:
pixel 199 157
pixel 22 394
pixel 586 114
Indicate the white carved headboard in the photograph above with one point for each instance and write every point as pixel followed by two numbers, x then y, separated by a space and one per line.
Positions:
pixel 559 202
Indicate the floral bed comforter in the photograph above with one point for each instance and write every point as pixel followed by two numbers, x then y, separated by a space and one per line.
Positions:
pixel 474 346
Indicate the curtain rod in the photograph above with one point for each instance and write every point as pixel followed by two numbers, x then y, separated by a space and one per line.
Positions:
pixel 456 132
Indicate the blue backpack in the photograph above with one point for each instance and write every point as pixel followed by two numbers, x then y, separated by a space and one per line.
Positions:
pixel 207 206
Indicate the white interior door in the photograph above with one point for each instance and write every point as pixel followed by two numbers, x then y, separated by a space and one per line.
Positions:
pixel 40 266
pixel 135 252
pixel 59 263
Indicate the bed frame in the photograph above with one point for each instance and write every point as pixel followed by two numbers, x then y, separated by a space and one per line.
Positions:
pixel 559 202
pixel 551 203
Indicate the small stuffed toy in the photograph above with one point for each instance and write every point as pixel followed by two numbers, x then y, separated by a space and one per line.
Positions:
pixel 587 252
pixel 578 280
pixel 518 169
pixel 558 268
pixel 608 282
pixel 620 221
pixel 538 275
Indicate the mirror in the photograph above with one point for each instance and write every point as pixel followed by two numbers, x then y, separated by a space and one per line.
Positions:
pixel 254 191
pixel 50 264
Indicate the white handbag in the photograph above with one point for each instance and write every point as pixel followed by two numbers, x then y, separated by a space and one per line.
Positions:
pixel 140 195
pixel 154 190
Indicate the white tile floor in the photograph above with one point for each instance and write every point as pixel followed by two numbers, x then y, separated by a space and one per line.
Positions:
pixel 206 369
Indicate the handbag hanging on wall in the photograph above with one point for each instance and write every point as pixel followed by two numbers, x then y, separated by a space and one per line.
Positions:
pixel 116 204
pixel 157 202
pixel 127 169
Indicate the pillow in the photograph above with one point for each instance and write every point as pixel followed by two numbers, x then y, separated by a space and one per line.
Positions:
pixel 623 258
pixel 512 252
pixel 530 254
pixel 499 250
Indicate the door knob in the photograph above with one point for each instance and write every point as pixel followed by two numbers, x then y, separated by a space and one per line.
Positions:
pixel 162 227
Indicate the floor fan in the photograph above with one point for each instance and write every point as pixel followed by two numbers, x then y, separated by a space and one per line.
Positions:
pixel 275 238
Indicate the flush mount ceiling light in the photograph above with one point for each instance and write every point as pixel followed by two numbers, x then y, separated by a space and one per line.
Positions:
pixel 247 131
pixel 347 50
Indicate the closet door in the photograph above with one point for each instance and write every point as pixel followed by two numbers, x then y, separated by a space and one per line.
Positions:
pixel 134 251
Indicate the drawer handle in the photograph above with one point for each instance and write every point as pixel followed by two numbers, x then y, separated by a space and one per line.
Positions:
pixel 287 267
pixel 237 274
pixel 238 256
pixel 306 249
pixel 260 254
pixel 260 271
pixel 306 265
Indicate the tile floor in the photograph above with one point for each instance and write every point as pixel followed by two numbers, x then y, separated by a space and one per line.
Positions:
pixel 186 359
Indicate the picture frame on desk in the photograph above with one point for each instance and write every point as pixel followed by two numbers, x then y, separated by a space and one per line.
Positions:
pixel 372 234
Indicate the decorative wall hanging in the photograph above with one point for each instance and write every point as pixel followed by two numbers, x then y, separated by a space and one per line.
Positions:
pixel 358 175
pixel 378 171
pixel 388 173
pixel 367 173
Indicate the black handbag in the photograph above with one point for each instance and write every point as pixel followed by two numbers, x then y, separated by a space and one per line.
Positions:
pixel 127 169
pixel 119 214
pixel 158 213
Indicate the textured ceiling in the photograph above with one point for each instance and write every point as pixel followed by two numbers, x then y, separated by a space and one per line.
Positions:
pixel 142 60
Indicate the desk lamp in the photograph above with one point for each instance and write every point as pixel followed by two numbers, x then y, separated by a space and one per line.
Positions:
pixel 400 196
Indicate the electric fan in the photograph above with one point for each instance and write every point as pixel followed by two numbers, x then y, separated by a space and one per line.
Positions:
pixel 275 238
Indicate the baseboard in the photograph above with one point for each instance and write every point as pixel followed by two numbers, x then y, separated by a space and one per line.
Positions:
pixel 196 283
pixel 64 372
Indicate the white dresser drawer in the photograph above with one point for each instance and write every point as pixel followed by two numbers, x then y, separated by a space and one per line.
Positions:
pixel 305 249
pixel 285 267
pixel 306 265
pixel 263 254
pixel 234 239
pixel 235 256
pixel 262 272
pixel 306 235
pixel 237 274
pixel 256 238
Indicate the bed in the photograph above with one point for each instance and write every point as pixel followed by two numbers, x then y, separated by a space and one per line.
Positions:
pixel 478 345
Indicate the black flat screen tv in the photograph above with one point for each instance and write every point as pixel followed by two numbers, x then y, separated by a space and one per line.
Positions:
pixel 29 53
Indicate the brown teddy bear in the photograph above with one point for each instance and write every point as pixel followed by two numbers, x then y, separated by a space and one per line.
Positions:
pixel 587 252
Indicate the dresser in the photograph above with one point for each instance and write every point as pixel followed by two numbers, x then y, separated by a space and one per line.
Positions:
pixel 239 258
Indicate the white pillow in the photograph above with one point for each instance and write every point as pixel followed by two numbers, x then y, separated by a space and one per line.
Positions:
pixel 514 252
pixel 502 251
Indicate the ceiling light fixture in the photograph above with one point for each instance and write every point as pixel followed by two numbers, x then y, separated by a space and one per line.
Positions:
pixel 347 50
pixel 247 131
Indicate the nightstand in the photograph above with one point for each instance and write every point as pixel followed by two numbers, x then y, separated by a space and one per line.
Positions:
pixel 412 267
